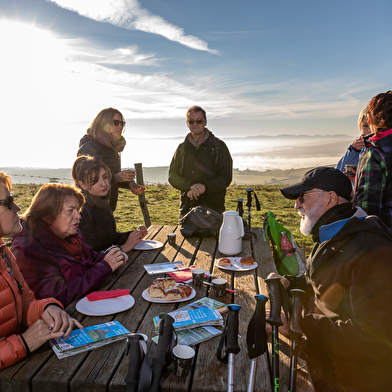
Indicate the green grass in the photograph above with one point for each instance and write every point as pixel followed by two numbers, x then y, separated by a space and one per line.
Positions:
pixel 163 201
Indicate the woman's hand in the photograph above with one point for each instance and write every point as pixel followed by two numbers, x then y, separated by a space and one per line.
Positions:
pixel 136 189
pixel 359 143
pixel 143 230
pixel 55 323
pixel 58 320
pixel 116 258
pixel 134 238
pixel 125 176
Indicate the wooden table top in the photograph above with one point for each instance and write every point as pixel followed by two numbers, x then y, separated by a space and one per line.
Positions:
pixel 105 368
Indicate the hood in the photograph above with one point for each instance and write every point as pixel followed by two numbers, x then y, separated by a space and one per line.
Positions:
pixel 86 138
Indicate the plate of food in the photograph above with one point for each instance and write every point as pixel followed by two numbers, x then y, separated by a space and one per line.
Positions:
pixel 103 307
pixel 240 264
pixel 148 245
pixel 167 290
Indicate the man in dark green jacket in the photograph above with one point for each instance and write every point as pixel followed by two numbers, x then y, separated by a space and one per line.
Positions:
pixel 201 167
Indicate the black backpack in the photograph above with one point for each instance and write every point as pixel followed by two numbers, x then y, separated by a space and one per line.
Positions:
pixel 201 222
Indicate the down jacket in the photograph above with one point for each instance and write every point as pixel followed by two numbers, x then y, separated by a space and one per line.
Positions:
pixel 52 272
pixel 210 164
pixel 88 145
pixel 18 311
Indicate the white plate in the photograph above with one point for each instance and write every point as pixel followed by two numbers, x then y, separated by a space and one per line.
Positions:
pixel 236 265
pixel 147 297
pixel 148 245
pixel 103 307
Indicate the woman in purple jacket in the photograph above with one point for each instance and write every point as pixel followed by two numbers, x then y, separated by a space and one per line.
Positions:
pixel 51 251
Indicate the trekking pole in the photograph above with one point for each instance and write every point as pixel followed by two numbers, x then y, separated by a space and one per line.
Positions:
pixel 137 349
pixel 275 321
pixel 256 338
pixel 160 360
pixel 240 207
pixel 230 338
pixel 296 330
pixel 249 205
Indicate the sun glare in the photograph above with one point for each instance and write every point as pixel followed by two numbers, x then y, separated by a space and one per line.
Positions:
pixel 33 61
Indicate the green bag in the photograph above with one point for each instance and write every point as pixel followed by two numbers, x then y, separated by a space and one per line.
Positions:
pixel 286 265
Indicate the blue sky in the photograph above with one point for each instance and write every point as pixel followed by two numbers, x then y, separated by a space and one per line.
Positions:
pixel 257 67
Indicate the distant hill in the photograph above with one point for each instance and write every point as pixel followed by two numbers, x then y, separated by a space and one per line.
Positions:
pixel 155 175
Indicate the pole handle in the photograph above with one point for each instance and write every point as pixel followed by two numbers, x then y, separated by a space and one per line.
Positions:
pixel 232 346
pixel 296 311
pixel 274 284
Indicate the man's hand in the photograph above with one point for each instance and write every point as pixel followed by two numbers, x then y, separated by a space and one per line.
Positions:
pixel 195 191
pixel 125 176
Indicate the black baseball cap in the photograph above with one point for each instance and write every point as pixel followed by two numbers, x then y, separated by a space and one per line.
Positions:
pixel 325 178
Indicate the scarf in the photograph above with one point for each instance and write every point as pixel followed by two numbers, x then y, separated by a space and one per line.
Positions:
pixel 108 140
pixel 198 143
pixel 98 201
pixel 71 244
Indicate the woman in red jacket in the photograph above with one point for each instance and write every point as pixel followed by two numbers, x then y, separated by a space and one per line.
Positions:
pixel 25 323
pixel 51 251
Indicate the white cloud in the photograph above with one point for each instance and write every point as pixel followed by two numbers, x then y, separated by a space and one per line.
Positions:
pixel 130 15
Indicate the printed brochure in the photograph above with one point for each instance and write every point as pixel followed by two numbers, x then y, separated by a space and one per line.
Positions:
pixel 89 338
pixel 194 336
pixel 162 268
pixel 192 318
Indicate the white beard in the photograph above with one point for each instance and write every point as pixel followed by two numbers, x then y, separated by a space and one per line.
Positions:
pixel 308 220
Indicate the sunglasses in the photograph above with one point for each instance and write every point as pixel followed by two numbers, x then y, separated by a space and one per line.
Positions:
pixel 301 196
pixel 117 122
pixel 198 121
pixel 8 202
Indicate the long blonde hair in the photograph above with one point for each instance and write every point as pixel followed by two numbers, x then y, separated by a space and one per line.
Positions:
pixel 103 121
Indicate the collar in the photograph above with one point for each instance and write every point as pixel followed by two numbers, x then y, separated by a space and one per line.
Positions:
pixel 326 232
pixel 381 134
pixel 335 214
pixel 203 139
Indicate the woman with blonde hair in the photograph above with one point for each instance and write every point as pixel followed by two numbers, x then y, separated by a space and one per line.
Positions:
pixel 104 139
pixel 25 323
pixel 51 251
pixel 98 225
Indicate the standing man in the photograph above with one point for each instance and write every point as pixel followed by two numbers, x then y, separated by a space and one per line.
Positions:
pixel 347 320
pixel 201 167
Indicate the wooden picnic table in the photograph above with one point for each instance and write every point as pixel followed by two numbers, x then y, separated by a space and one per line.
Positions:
pixel 104 369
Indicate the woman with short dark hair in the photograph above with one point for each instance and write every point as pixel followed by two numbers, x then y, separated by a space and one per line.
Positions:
pixel 52 254
pixel 25 323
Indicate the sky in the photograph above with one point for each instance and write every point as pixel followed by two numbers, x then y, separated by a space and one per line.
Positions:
pixel 259 68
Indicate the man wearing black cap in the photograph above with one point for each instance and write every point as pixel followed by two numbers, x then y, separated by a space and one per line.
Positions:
pixel 347 320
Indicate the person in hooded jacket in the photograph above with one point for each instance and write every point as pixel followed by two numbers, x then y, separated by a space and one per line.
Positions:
pixel 97 224
pixel 104 140
pixel 373 182
pixel 25 322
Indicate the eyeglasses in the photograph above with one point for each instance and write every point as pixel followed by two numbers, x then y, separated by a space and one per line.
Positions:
pixel 117 122
pixel 198 121
pixel 301 196
pixel 8 202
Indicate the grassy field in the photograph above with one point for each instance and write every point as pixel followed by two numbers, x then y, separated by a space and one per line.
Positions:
pixel 163 201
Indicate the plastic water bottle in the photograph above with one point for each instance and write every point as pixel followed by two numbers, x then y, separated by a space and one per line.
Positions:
pixel 285 243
